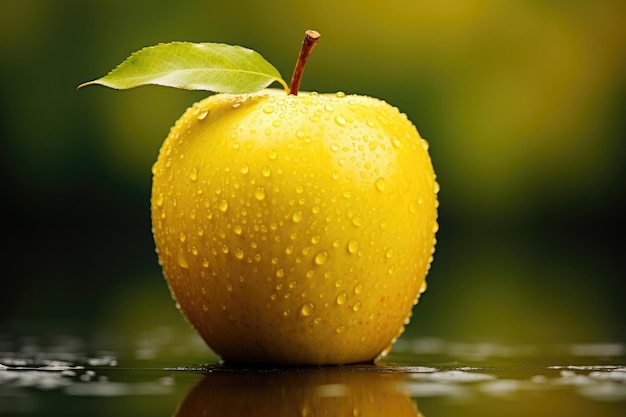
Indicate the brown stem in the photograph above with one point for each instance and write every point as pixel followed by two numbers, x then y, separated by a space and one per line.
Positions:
pixel 310 39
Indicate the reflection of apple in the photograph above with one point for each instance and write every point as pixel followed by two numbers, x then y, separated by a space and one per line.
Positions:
pixel 306 393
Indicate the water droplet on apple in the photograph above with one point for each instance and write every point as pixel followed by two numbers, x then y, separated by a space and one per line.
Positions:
pixel 203 114
pixel 396 142
pixel 321 257
pixel 341 298
pixel 340 329
pixel 269 109
pixel 356 307
pixel 271 154
pixel 280 272
pixel 381 184
pixel 358 288
pixel 357 221
pixel 423 287
pixel 245 168
pixel 353 246
pixel 182 237
pixel 307 309
pixel 340 120
pixel 239 253
pixel 328 107
pixel 259 193
pixel 340 94
pixel 193 175
pixel 159 200
pixel 297 217
pixel 223 206
pixel 389 253
pixel 182 260
pixel 236 105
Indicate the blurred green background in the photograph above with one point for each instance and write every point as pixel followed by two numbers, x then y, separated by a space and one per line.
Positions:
pixel 523 103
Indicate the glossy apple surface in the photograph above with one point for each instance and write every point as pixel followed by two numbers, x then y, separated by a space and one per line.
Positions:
pixel 295 229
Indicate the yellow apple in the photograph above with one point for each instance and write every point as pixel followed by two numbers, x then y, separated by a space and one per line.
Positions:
pixel 295 229
pixel 291 228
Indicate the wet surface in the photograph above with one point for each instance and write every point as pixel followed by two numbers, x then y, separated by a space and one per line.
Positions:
pixel 164 372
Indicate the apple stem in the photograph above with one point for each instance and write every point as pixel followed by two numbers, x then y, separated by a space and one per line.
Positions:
pixel 310 39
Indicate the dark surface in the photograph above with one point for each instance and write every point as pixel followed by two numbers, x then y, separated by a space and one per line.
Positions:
pixel 164 372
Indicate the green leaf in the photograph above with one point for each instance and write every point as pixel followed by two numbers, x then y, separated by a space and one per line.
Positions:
pixel 215 67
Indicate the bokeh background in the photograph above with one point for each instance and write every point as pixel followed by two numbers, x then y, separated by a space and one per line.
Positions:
pixel 523 103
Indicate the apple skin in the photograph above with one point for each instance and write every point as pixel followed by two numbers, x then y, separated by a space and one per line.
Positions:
pixel 295 230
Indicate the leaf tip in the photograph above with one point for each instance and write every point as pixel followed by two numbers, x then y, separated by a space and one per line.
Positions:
pixel 85 84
